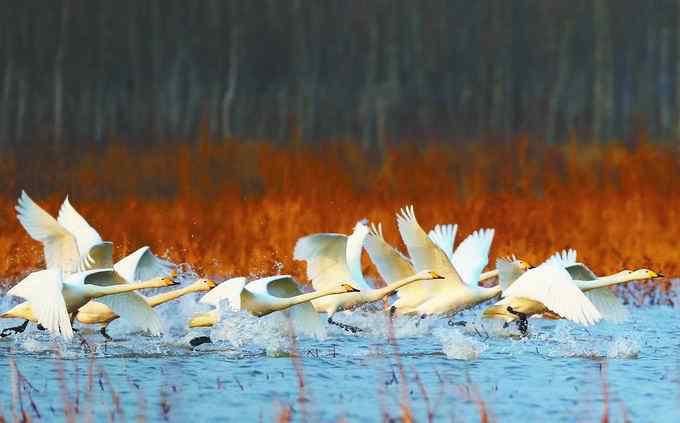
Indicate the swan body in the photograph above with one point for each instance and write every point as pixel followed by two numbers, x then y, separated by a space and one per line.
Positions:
pixel 53 299
pixel 262 297
pixel 597 288
pixel 548 287
pixel 445 296
pixel 337 257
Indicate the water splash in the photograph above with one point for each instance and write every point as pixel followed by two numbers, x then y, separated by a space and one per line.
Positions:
pixel 457 346
pixel 624 347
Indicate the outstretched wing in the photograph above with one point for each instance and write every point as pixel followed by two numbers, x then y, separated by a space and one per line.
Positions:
pixel 563 258
pixel 391 264
pixel 133 308
pixel 86 236
pixel 142 265
pixel 229 290
pixel 426 255
pixel 304 318
pixel 609 306
pixel 326 257
pixel 551 285
pixel 43 290
pixel 472 255
pixel 443 236
pixel 60 246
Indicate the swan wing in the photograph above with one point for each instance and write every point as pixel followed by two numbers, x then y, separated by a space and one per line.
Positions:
pixel 142 265
pixel 391 264
pixel 581 272
pixel 303 316
pixel 472 255
pixel 426 255
pixel 60 246
pixel 552 286
pixel 563 258
pixel 607 303
pixel 229 290
pixel 443 236
pixel 132 307
pixel 43 289
pixel 86 236
pixel 100 256
pixel 326 257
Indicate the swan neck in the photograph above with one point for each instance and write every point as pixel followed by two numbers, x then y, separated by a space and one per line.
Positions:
pixel 602 282
pixel 101 291
pixel 168 296
pixel 379 293
pixel 303 298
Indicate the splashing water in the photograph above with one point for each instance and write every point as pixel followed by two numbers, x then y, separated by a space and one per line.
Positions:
pixel 457 346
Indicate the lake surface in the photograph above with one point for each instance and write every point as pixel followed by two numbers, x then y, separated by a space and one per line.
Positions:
pixel 556 374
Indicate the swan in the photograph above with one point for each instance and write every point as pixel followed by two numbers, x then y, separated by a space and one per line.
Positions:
pixel 548 287
pixel 441 297
pixel 262 297
pixel 332 257
pixel 95 312
pixel 71 245
pixel 54 298
pixel 469 260
pixel 596 288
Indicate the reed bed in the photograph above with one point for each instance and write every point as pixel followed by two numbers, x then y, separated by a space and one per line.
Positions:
pixel 230 207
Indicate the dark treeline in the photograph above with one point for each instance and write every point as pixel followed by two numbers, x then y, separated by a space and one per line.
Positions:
pixel 374 70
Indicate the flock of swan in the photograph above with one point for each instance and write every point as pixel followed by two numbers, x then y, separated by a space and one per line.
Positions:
pixel 81 282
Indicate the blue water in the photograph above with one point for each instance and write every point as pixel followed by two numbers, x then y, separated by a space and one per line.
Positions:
pixel 556 374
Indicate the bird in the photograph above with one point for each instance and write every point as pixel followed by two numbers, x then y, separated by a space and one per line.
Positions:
pixel 262 297
pixel 469 260
pixel 596 288
pixel 71 245
pixel 331 257
pixel 95 312
pixel 447 296
pixel 548 287
pixel 55 299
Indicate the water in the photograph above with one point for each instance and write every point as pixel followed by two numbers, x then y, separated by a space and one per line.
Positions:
pixel 556 374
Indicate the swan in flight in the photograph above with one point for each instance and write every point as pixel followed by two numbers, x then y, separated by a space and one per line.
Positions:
pixel 262 297
pixel 433 297
pixel 548 287
pixel 95 312
pixel 469 260
pixel 55 298
pixel 71 245
pixel 333 257
pixel 597 288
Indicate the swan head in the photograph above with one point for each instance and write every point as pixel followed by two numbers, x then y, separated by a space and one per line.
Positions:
pixel 168 281
pixel 204 285
pixel 345 287
pixel 523 265
pixel 21 311
pixel 641 274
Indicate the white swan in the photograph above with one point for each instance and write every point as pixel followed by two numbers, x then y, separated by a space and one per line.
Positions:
pixel 334 257
pixel 548 287
pixel 597 288
pixel 432 297
pixel 54 299
pixel 262 297
pixel 95 312
pixel 71 245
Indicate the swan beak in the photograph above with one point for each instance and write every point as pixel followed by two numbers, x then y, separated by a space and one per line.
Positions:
pixel 657 275
pixel 211 284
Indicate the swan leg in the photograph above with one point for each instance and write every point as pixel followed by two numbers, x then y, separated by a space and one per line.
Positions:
pixel 200 340
pixel 14 330
pixel 103 332
pixel 348 328
pixel 393 310
pixel 522 322
pixel 458 323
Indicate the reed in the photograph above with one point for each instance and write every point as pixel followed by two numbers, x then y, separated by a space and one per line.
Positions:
pixel 230 207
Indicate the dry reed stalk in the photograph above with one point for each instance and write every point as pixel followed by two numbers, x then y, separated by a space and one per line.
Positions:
pixel 238 208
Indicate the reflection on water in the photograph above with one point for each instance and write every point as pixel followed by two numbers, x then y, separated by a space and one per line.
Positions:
pixel 248 372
